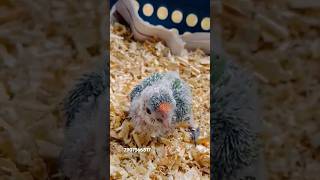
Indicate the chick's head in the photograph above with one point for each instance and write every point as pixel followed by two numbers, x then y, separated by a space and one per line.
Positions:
pixel 158 107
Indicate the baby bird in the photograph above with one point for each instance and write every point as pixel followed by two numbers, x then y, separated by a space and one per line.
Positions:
pixel 235 123
pixel 84 152
pixel 159 102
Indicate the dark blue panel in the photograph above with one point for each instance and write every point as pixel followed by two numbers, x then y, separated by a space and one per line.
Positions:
pixel 201 8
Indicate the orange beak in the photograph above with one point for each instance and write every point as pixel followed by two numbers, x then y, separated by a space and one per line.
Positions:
pixel 164 109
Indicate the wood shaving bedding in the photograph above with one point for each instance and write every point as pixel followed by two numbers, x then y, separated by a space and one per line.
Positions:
pixel 172 156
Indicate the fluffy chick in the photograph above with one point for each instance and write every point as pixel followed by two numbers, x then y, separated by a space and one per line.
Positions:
pixel 159 102
pixel 235 123
pixel 84 152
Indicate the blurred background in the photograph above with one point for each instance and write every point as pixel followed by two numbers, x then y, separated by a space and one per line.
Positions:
pixel 279 42
pixel 44 47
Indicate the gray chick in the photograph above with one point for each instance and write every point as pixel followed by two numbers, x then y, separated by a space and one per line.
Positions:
pixel 235 123
pixel 159 102
pixel 84 152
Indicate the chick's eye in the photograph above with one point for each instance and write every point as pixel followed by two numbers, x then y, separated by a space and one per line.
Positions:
pixel 148 111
